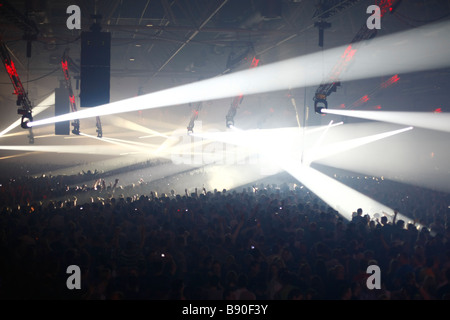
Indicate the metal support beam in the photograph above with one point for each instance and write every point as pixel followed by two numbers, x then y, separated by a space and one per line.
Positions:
pixel 191 37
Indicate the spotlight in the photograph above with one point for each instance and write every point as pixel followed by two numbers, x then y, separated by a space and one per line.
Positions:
pixel 26 117
pixel 76 127
pixel 194 117
pixel 99 127
pixel 232 112
pixel 230 122
pixel 320 103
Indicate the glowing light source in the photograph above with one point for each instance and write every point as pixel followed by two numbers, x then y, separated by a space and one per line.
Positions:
pixel 47 102
pixel 78 149
pixel 403 52
pixel 392 80
pixel 427 120
pixel 343 146
pixel 338 196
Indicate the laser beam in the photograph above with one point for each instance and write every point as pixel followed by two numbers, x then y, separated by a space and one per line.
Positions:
pixel 426 120
pixel 338 196
pixel 335 148
pixel 78 149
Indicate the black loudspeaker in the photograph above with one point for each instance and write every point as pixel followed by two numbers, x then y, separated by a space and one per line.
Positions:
pixel 95 68
pixel 62 106
pixel 271 9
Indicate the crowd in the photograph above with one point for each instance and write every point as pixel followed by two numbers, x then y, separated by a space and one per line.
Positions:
pixel 262 242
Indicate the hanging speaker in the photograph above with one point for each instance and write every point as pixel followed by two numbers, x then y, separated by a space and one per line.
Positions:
pixel 95 68
pixel 62 106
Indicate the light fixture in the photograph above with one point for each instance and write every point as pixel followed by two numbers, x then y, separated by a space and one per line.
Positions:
pixel 26 117
pixel 320 103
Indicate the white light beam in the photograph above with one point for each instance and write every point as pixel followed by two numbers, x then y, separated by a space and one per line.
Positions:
pixel 420 49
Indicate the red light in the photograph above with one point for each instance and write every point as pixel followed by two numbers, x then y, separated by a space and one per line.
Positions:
pixel 385 5
pixel 390 81
pixel 438 110
pixel 64 65
pixel 271 110
pixel 345 58
pixel 349 48
pixel 11 69
pixel 361 101
pixel 378 107
pixel 254 63
pixel 350 55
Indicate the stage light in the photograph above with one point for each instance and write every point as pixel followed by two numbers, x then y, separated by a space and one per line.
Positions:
pixel 320 103
pixel 131 125
pixel 76 127
pixel 78 149
pixel 47 102
pixel 339 147
pixel 340 197
pixel 398 53
pixel 26 118
pixel 19 155
pixel 229 121
pixel 146 145
pixel 427 120
pixel 337 195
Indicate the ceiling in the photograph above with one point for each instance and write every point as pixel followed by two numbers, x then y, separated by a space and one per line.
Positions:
pixel 157 44
pixel 167 42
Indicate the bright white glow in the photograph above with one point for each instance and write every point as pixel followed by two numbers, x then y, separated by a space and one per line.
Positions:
pixel 319 141
pixel 117 143
pixel 232 177
pixel 127 124
pixel 145 145
pixel 329 150
pixel 418 157
pixel 415 50
pixel 19 155
pixel 112 163
pixel 322 128
pixel 76 149
pixel 15 134
pixel 338 196
pixel 45 136
pixel 427 120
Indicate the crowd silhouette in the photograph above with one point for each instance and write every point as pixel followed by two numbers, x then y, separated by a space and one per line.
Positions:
pixel 258 242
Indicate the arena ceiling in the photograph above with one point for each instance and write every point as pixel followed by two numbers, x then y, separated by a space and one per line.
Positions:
pixel 158 44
